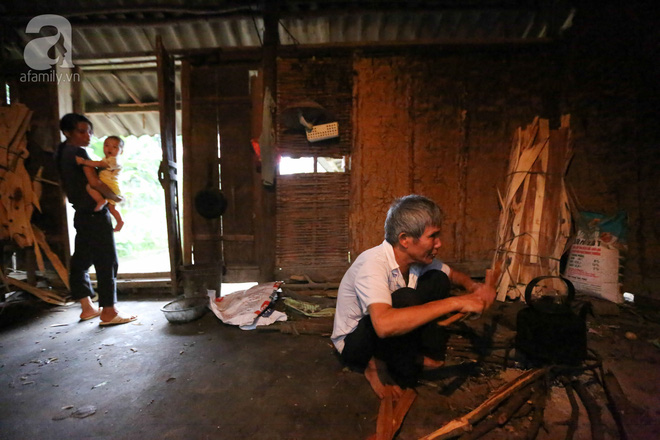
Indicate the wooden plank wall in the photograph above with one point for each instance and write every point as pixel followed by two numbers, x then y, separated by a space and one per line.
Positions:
pixel 200 160
pixel 218 153
pixel 236 170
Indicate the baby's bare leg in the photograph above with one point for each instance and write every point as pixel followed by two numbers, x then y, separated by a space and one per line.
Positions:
pixel 117 215
pixel 98 198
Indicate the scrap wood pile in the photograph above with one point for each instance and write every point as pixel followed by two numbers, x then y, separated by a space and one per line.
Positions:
pixel 535 223
pixel 487 351
pixel 524 400
pixel 19 196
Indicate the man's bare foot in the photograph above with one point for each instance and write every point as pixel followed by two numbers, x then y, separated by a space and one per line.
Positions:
pixel 431 364
pixel 119 226
pixel 373 374
pixel 100 205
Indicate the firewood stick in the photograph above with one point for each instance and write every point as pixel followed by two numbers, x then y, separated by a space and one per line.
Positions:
pixel 452 319
pixel 485 359
pixel 470 345
pixel 393 412
pixel 402 407
pixel 538 400
pixel 593 410
pixel 481 429
pixel 37 188
pixel 575 410
pixel 39 257
pixel 491 278
pixel 45 295
pixel 306 327
pixel 502 416
pixel 621 407
pixel 524 410
pixel 40 238
pixel 514 404
pixel 385 425
pixel 463 424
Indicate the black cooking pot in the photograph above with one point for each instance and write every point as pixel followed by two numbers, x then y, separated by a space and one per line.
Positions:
pixel 210 203
pixel 550 332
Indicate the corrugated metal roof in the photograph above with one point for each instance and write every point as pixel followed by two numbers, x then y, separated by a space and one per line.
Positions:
pixel 125 124
pixel 106 33
pixel 108 39
pixel 106 90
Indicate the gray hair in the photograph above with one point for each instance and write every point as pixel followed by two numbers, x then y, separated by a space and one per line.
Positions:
pixel 411 214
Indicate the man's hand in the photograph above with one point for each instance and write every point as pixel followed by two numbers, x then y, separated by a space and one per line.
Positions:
pixel 472 303
pixel 486 293
pixel 80 160
pixel 483 293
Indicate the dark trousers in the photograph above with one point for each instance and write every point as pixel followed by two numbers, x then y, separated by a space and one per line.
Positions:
pixel 402 354
pixel 95 244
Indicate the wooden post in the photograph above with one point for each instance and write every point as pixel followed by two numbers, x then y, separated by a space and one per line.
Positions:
pixel 168 169
pixel 186 132
pixel 77 93
pixel 265 237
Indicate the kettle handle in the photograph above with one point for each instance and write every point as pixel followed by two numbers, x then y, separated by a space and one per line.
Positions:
pixel 531 284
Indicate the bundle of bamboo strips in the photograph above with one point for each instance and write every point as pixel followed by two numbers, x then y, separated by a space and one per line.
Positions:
pixel 535 223
pixel 19 194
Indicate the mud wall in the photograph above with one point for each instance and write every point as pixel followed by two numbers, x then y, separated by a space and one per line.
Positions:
pixel 441 125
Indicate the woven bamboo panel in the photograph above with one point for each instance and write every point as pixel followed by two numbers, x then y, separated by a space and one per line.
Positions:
pixel 326 81
pixel 312 220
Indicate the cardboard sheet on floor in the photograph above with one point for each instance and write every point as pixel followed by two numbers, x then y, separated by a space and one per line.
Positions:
pixel 250 308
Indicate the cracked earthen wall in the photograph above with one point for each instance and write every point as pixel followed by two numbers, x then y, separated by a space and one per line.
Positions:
pixel 438 126
pixel 441 125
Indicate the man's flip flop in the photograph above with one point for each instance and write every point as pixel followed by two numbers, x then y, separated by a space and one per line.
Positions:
pixel 91 316
pixel 119 320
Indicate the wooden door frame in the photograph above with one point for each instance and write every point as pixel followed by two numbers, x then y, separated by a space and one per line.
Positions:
pixel 167 174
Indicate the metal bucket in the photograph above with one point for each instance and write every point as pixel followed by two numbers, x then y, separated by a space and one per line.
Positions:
pixel 185 309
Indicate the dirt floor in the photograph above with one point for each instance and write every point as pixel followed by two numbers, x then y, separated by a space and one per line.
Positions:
pixel 154 380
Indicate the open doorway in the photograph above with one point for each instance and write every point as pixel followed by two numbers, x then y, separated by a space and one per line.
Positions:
pixel 142 244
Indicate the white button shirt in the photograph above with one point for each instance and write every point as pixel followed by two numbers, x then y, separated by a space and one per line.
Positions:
pixel 371 279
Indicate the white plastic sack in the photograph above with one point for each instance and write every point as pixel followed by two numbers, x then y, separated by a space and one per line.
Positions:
pixel 249 308
pixel 594 260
